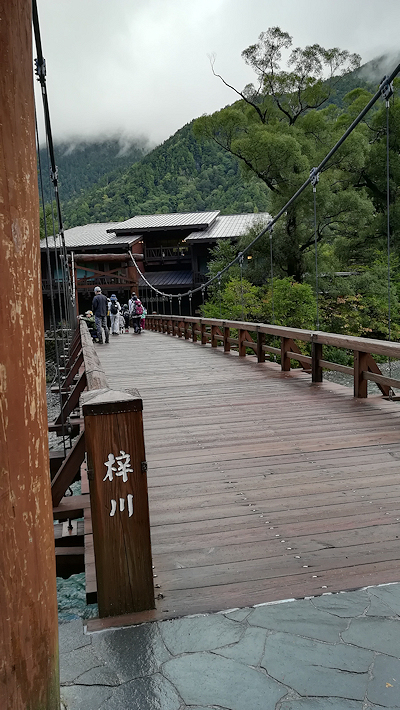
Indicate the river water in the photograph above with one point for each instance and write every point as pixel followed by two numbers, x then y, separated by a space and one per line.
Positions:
pixel 70 592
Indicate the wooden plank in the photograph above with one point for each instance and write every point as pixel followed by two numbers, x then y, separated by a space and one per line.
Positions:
pixel 68 470
pixel 71 507
pixel 315 465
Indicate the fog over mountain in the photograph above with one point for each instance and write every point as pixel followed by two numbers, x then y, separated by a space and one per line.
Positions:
pixel 141 70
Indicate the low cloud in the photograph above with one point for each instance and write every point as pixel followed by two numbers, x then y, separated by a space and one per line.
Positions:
pixel 141 69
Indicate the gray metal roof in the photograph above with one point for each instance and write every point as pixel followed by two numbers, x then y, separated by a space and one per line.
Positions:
pixel 229 226
pixel 90 235
pixel 168 278
pixel 196 220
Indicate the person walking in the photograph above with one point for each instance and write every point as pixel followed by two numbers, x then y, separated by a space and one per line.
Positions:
pixel 114 313
pixel 135 312
pixel 99 308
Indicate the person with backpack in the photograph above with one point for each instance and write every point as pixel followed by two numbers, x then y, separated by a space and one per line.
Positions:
pixel 125 315
pixel 114 313
pixel 135 312
pixel 99 308
pixel 143 318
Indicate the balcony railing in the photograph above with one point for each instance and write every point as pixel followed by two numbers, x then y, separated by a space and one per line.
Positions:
pixel 166 254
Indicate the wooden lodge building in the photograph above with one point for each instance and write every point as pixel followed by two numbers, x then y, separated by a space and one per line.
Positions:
pixel 171 250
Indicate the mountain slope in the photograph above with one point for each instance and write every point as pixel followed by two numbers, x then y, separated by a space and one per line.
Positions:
pixel 83 164
pixel 181 175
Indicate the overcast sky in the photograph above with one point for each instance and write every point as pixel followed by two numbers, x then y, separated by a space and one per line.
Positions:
pixel 140 67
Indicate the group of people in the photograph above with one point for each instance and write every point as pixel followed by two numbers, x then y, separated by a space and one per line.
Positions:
pixel 121 317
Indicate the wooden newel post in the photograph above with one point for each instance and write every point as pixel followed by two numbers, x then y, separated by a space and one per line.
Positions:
pixel 316 355
pixel 119 501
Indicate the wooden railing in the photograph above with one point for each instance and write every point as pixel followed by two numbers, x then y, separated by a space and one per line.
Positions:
pixel 243 336
pixel 111 434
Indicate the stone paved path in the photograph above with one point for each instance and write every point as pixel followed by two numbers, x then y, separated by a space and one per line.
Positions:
pixel 336 652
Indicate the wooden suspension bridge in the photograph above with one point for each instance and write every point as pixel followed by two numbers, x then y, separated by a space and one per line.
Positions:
pixel 263 484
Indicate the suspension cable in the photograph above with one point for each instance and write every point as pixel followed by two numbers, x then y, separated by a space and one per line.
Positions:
pixel 54 326
pixel 272 274
pixel 314 182
pixel 283 210
pixel 41 74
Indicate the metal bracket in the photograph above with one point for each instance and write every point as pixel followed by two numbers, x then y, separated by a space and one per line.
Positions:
pixel 241 258
pixel 143 466
pixel 40 70
pixel 314 178
pixel 386 88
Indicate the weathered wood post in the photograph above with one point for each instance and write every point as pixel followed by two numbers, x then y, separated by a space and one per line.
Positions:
pixel 29 675
pixel 227 345
pixel 360 365
pixel 316 356
pixel 260 346
pixel 285 360
pixel 119 501
pixel 214 333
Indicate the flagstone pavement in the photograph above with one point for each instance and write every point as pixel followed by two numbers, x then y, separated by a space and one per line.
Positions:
pixel 336 652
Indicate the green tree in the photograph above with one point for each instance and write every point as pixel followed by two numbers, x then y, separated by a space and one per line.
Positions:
pixel 278 135
pixel 238 299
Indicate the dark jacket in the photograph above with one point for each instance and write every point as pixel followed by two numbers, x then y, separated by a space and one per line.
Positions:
pixel 100 305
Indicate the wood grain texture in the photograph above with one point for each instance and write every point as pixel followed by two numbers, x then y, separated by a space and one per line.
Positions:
pixel 262 485
pixel 119 502
pixel 28 600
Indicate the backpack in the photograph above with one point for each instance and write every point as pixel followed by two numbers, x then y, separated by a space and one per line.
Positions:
pixel 139 308
pixel 114 308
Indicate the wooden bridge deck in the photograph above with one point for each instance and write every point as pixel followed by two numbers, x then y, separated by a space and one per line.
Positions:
pixel 262 486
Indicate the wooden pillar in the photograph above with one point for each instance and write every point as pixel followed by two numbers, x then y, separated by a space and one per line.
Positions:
pixel 285 360
pixel 360 364
pixel 242 347
pixel 316 355
pixel 227 345
pixel 194 334
pixel 203 334
pixel 214 340
pixel 119 501
pixel 260 350
pixel 28 601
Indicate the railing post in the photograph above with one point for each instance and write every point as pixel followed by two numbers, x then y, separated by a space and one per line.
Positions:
pixel 316 354
pixel 214 341
pixel 119 501
pixel 285 360
pixel 227 345
pixel 260 350
pixel 242 347
pixel 360 364
pixel 203 334
pixel 186 330
pixel 194 334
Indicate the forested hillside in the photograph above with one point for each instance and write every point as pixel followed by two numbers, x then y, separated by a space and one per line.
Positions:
pixel 98 183
pixel 181 175
pixel 83 164
pixel 252 156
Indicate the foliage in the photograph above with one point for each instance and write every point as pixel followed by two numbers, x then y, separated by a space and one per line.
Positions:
pixel 278 135
pixel 221 255
pixel 181 175
pixel 237 300
pixel 82 164
pixel 289 303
